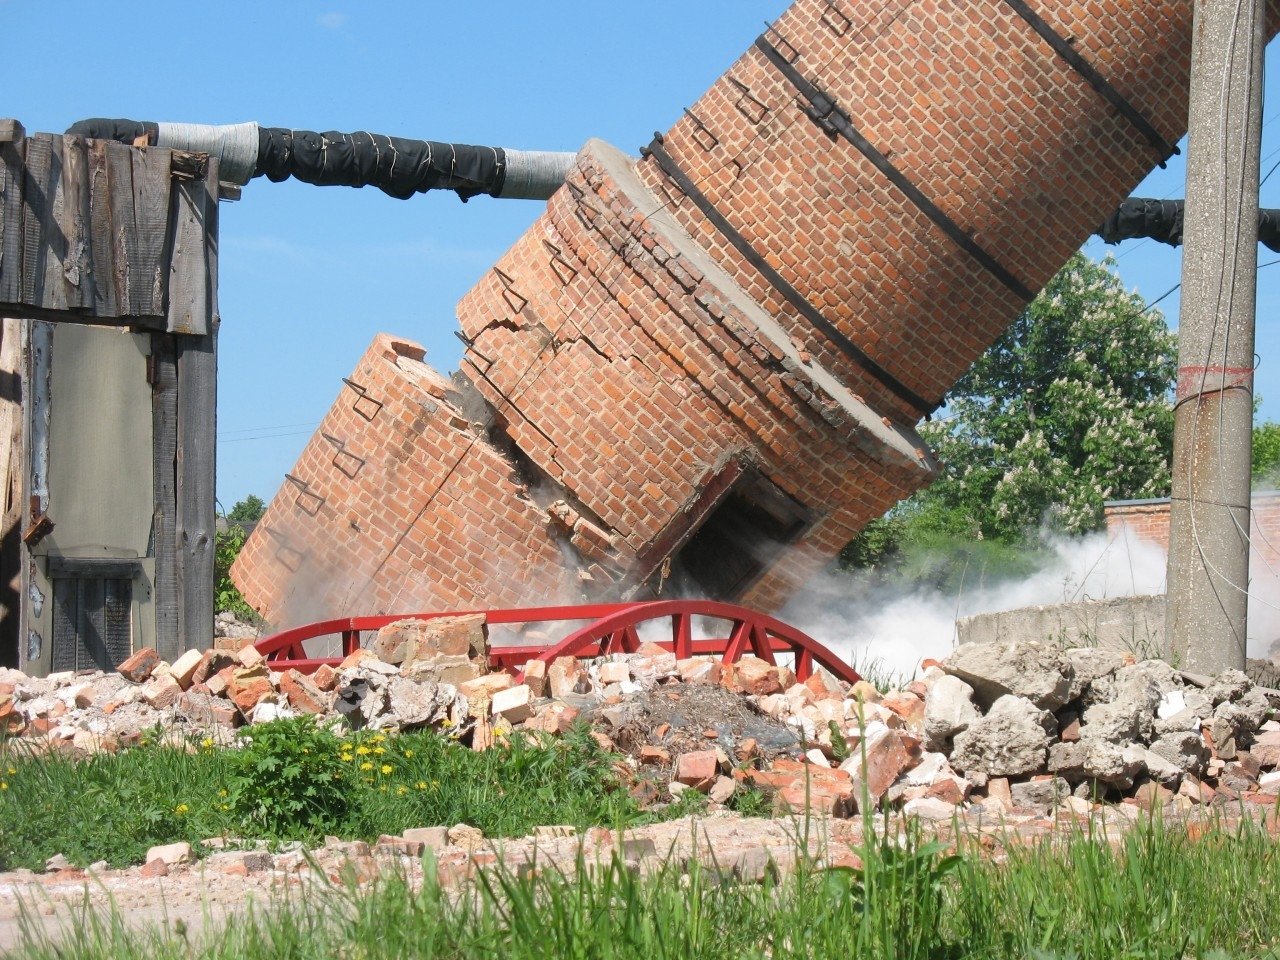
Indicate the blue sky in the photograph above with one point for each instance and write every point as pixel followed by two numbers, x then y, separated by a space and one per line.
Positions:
pixel 309 275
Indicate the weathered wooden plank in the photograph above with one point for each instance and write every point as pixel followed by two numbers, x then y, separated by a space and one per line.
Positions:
pixel 53 287
pixel 11 130
pixel 37 207
pixel 197 430
pixel 164 441
pixel 12 167
pixel 76 224
pixel 101 242
pixel 194 232
pixel 148 278
pixel 12 483
pixel 123 233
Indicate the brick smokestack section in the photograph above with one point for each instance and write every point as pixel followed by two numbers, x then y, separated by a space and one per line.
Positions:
pixel 700 370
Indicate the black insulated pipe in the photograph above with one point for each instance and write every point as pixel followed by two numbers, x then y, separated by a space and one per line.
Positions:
pixel 1162 220
pixel 397 166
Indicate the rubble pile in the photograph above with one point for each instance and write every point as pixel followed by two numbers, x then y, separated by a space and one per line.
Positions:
pixel 1018 728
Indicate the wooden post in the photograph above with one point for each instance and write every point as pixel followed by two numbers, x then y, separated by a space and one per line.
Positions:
pixel 13 486
pixel 197 429
pixel 164 450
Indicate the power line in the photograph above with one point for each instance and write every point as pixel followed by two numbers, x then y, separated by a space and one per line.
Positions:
pixel 277 426
pixel 266 436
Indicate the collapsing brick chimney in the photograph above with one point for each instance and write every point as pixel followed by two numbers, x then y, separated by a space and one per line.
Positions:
pixel 700 370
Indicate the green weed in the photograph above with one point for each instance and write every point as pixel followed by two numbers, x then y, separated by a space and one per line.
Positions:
pixel 1157 895
pixel 295 780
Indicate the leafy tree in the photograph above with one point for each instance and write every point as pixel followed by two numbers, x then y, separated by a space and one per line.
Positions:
pixel 1266 454
pixel 1069 408
pixel 227 547
pixel 248 510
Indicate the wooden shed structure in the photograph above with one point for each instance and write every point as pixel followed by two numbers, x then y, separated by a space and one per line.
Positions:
pixel 108 403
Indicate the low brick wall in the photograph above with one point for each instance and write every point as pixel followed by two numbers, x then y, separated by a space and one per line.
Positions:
pixel 1149 520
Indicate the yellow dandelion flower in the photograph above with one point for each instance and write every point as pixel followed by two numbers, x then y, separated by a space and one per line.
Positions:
pixel 207 742
pixel 3 785
pixel 421 785
pixel 180 809
pixel 347 758
pixel 379 750
pixel 366 765
pixel 386 768
pixel 377 738
pixel 222 793
pixel 12 770
pixel 408 753
pixel 401 791
pixel 363 750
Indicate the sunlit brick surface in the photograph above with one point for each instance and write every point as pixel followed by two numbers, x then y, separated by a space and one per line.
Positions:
pixel 626 367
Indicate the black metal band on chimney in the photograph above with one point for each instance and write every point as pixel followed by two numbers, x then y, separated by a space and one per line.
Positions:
pixel 826 113
pixel 1062 47
pixel 779 283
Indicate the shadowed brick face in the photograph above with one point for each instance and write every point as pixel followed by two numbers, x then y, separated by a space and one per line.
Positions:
pixel 633 382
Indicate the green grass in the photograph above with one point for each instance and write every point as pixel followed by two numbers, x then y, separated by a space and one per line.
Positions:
pixel 297 782
pixel 1155 895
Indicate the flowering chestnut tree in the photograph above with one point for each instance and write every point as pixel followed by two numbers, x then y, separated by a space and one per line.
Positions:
pixel 1068 409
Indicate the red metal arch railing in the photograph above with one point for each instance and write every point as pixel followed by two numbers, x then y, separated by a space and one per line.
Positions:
pixel 611 628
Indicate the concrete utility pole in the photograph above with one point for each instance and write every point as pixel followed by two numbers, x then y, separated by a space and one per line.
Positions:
pixel 1208 571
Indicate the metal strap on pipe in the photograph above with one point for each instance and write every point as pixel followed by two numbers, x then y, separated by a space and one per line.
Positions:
pixel 826 113
pixel 779 283
pixel 1096 80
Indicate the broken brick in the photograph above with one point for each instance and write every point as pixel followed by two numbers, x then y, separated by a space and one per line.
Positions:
pixel 325 678
pixel 756 677
pixel 652 755
pixel 210 663
pixel 246 692
pixel 698 769
pixel 303 695
pixel 563 676
pixel 184 668
pixel 139 667
pixel 535 677
pixel 514 704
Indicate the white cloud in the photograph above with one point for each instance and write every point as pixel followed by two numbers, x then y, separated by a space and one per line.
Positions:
pixel 333 20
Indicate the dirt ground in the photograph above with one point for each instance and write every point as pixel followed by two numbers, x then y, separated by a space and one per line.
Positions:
pixel 194 896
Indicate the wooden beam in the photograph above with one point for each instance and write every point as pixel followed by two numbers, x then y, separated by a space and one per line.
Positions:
pixel 192 292
pixel 10 130
pixel 38 187
pixel 197 430
pixel 148 241
pixel 13 484
pixel 163 374
pixel 76 225
pixel 13 157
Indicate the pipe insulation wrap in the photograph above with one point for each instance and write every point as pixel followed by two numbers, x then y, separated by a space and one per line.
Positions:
pixel 534 175
pixel 397 166
pixel 1162 220
pixel 234 144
